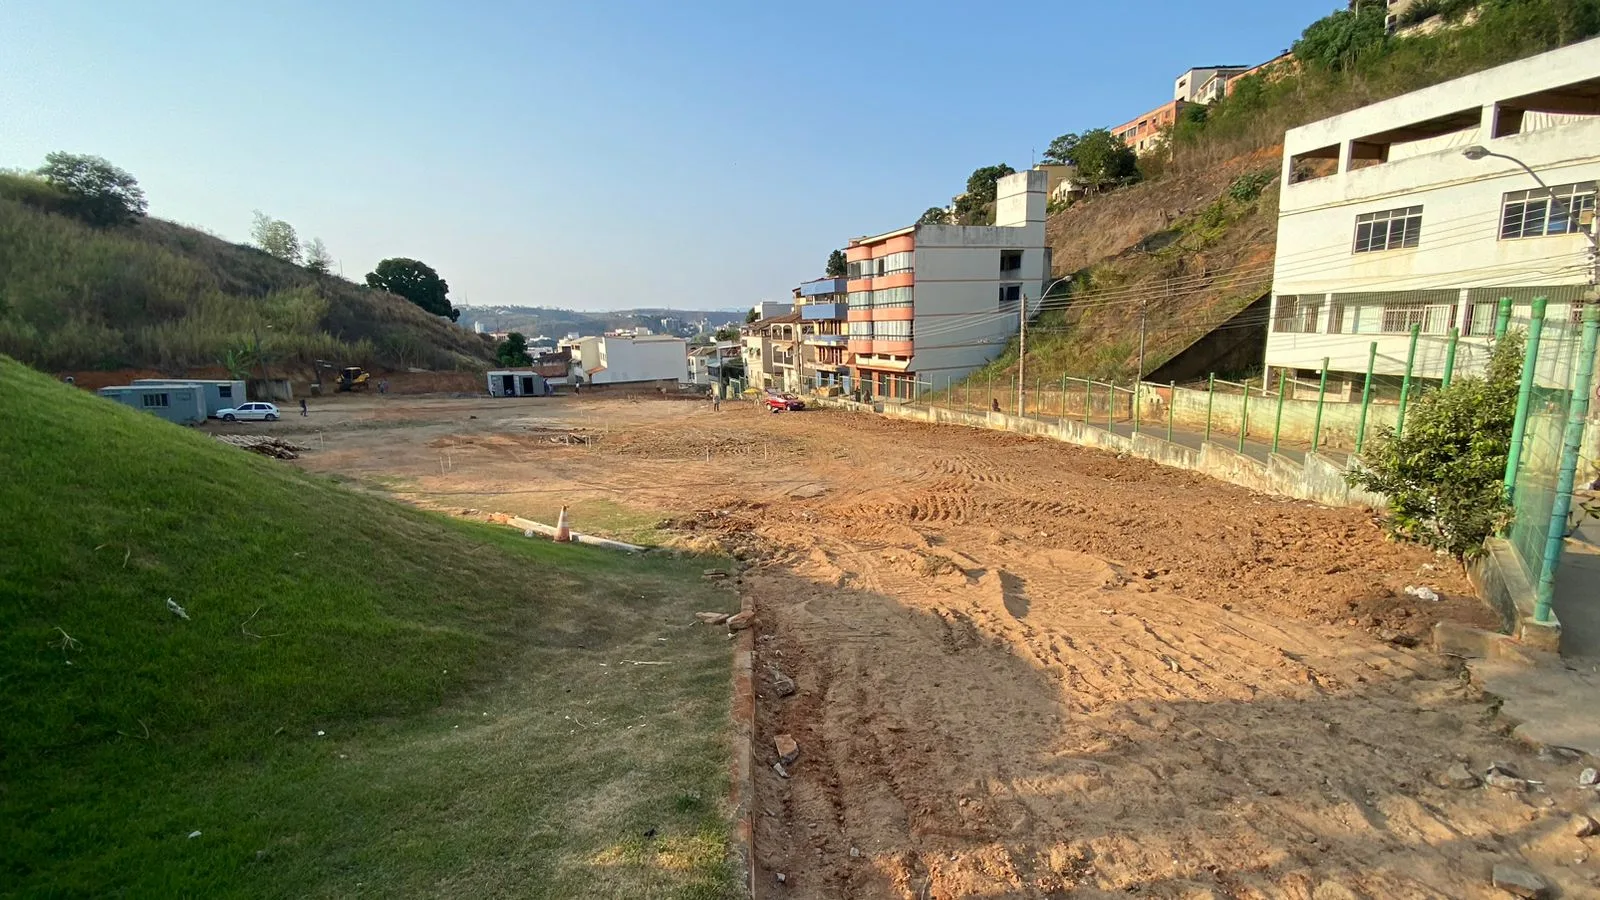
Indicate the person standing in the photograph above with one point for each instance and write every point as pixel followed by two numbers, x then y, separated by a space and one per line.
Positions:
pixel 303 411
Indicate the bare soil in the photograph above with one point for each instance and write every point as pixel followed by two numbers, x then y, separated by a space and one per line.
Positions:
pixel 1030 670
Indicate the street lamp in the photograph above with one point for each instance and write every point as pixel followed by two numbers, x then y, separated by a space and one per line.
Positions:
pixel 1022 341
pixel 1477 152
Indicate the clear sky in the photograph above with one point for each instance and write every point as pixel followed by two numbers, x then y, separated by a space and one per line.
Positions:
pixel 590 154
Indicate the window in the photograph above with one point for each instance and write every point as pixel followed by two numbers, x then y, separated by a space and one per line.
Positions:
pixel 225 391
pixel 860 330
pixel 891 297
pixel 854 269
pixel 1297 315
pixel 895 263
pixel 1535 214
pixel 893 331
pixel 1010 260
pixel 1391 229
pixel 860 299
pixel 1010 293
pixel 1434 318
pixel 155 400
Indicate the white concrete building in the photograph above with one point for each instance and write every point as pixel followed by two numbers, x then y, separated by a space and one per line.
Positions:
pixel 930 303
pixel 1385 221
pixel 614 359
pixel 1205 84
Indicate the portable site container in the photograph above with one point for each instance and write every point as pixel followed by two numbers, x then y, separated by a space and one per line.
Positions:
pixel 182 403
pixel 218 395
pixel 516 383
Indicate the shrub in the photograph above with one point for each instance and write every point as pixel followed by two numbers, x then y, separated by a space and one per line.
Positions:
pixel 1443 476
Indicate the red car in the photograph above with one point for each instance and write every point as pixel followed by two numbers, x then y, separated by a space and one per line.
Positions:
pixel 784 402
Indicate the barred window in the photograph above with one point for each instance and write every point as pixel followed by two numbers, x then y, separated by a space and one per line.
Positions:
pixel 860 329
pixel 152 400
pixel 895 331
pixel 1536 213
pixel 860 299
pixel 1433 318
pixel 896 262
pixel 1297 315
pixel 1391 229
pixel 890 297
pixel 1010 293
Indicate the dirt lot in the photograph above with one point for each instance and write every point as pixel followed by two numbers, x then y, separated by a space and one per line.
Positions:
pixel 1028 670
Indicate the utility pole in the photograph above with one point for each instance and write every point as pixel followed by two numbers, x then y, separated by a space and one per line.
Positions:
pixel 1139 375
pixel 1022 352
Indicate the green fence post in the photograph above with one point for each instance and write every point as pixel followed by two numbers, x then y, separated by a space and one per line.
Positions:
pixel 1111 405
pixel 1366 397
pixel 1211 396
pixel 1277 425
pixel 1244 413
pixel 1322 393
pixel 1530 362
pixel 1502 319
pixel 1088 398
pixel 1172 405
pixel 1450 357
pixel 1063 397
pixel 1405 383
pixel 1571 444
pixel 1133 405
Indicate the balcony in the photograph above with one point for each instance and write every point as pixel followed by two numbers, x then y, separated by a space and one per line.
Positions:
pixel 812 312
pixel 822 287
pixel 827 340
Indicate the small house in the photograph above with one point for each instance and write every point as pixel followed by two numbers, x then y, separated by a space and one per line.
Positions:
pixel 516 383
pixel 219 395
pixel 181 403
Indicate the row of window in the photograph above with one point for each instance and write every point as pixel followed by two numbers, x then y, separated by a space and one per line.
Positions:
pixel 888 331
pixel 881 299
pixel 892 264
pixel 1433 312
pixel 1523 214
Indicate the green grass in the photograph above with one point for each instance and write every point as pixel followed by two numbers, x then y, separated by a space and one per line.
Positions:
pixel 483 732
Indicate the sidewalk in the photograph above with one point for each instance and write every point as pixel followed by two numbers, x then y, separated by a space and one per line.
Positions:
pixel 1577 600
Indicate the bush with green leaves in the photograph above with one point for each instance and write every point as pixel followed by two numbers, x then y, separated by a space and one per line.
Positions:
pixel 1443 476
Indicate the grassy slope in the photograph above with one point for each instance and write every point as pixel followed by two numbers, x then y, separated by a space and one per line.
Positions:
pixel 158 295
pixel 482 733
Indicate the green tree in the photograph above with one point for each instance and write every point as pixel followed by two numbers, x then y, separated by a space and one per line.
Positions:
pixel 416 281
pixel 1336 42
pixel 1443 476
pixel 1101 158
pixel 752 315
pixel 513 351
pixel 837 265
pixel 981 183
pixel 98 192
pixel 726 334
pixel 276 237
pixel 318 259
pixel 935 215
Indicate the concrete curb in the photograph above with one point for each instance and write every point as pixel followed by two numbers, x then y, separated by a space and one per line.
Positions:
pixel 741 779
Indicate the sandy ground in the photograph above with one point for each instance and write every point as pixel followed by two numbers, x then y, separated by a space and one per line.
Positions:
pixel 1029 670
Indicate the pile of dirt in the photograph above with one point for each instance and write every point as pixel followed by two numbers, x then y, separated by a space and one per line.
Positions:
pixel 278 448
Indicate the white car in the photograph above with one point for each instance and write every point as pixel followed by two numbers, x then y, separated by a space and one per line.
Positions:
pixel 249 411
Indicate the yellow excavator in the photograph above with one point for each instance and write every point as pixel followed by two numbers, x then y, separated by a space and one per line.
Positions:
pixel 351 378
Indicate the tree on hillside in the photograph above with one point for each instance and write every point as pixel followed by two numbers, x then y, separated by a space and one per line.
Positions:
pixel 934 215
pixel 99 192
pixel 276 237
pixel 318 259
pixel 837 265
pixel 975 207
pixel 1101 158
pixel 416 281
pixel 752 315
pixel 513 351
pixel 726 334
pixel 1336 41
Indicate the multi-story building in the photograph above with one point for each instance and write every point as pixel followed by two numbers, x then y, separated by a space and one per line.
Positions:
pixel 767 346
pixel 822 304
pixel 930 303
pixel 1144 133
pixel 1271 70
pixel 1418 211
pixel 1205 84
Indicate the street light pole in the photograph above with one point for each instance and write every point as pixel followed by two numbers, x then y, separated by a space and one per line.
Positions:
pixel 1477 152
pixel 1022 342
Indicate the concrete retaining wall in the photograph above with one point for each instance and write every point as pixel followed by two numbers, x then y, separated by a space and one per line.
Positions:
pixel 1340 421
pixel 1319 479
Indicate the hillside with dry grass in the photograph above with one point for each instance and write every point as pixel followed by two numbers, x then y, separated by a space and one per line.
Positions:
pixel 152 294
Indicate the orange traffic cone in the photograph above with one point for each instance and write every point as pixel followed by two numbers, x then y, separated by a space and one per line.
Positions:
pixel 563 533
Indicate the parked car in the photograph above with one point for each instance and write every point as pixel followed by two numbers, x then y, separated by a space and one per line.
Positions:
pixel 249 412
pixel 777 402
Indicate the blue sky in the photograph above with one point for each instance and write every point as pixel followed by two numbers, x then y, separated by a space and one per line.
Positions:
pixel 590 154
